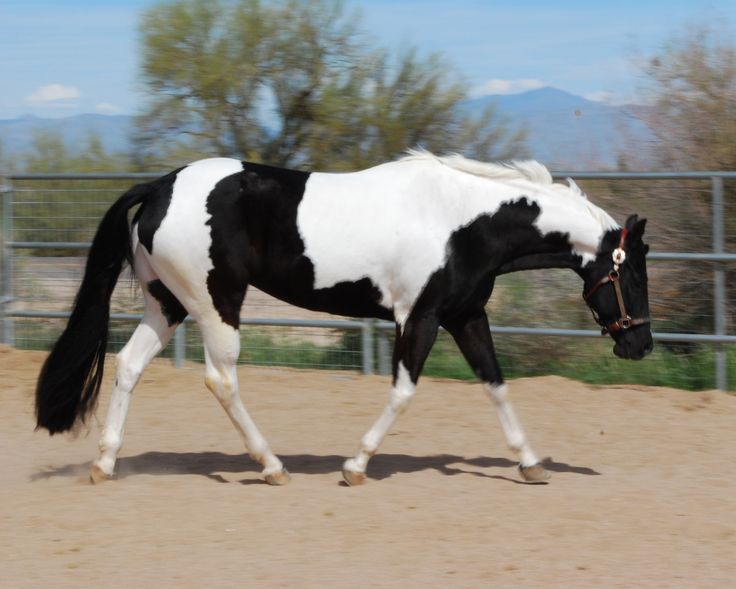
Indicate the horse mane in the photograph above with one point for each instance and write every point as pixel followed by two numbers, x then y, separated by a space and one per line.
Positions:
pixel 528 170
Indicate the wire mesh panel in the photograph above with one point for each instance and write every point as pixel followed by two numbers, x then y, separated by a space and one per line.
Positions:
pixel 64 212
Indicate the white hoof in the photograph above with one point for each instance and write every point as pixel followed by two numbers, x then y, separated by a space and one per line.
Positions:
pixel 536 473
pixel 97 475
pixel 353 477
pixel 278 478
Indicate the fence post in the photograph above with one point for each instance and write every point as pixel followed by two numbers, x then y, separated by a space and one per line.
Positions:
pixel 180 345
pixel 719 284
pixel 384 353
pixel 6 276
pixel 367 332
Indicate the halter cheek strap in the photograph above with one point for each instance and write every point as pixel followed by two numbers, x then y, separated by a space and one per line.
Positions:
pixel 624 321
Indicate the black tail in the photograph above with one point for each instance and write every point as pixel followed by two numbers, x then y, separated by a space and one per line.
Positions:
pixel 70 379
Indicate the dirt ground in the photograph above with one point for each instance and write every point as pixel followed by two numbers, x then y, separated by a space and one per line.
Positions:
pixel 642 493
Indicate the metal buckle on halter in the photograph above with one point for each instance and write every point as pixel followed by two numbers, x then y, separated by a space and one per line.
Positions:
pixel 619 256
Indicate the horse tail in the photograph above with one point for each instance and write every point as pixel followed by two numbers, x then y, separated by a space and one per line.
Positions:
pixel 70 379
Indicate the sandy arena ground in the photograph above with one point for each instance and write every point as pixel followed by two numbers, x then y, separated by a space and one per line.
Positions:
pixel 642 494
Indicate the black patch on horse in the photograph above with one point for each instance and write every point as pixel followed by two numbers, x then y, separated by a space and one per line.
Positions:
pixel 352 299
pixel 255 240
pixel 156 207
pixel 475 253
pixel 172 309
pixel 253 230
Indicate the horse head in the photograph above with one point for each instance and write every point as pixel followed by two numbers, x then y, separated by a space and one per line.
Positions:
pixel 616 290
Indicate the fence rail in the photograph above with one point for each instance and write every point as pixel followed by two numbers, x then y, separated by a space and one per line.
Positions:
pixel 370 329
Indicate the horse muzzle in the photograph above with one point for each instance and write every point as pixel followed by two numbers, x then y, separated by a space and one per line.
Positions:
pixel 634 350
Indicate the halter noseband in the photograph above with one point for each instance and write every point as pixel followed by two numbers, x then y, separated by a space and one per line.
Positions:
pixel 625 321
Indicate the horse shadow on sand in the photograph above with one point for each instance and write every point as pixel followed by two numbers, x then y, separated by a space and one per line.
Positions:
pixel 213 465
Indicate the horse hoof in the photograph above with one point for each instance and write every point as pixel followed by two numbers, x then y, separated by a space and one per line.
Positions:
pixel 353 478
pixel 278 478
pixel 536 473
pixel 97 475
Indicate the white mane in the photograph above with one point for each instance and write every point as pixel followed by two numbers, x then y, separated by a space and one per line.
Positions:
pixel 529 170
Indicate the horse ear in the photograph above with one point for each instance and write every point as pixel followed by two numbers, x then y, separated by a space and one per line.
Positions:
pixel 635 227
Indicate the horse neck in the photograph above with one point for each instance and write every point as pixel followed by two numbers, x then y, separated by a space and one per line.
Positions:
pixel 569 237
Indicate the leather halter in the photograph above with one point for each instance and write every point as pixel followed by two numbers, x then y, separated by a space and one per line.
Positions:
pixel 625 321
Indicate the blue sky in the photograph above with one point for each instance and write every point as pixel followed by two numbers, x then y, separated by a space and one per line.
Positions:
pixel 65 57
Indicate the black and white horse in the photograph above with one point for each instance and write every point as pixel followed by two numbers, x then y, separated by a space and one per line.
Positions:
pixel 419 241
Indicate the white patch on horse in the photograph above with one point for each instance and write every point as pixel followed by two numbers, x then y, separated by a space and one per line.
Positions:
pixel 183 240
pixel 513 432
pixel 395 220
pixel 399 398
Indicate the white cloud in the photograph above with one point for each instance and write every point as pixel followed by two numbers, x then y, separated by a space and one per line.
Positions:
pixel 601 96
pixel 53 95
pixel 506 87
pixel 107 109
pixel 614 98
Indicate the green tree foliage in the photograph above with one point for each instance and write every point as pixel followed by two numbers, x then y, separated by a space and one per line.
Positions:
pixel 50 154
pixel 292 82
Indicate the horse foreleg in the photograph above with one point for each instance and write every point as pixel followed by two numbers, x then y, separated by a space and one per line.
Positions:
pixel 411 350
pixel 473 337
pixel 530 467
pixel 400 396
pixel 222 347
pixel 148 339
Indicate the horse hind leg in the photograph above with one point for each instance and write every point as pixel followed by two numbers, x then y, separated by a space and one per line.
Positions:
pixel 148 339
pixel 222 348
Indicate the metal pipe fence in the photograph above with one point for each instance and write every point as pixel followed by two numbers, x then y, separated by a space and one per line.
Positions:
pixel 48 221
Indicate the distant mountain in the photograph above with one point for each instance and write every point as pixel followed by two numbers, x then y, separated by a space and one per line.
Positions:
pixel 568 131
pixel 17 135
pixel 564 130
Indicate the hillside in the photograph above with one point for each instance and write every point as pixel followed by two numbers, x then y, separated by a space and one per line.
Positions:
pixel 564 130
pixel 570 131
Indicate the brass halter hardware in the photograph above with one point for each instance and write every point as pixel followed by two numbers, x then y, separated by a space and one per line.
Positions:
pixel 624 321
